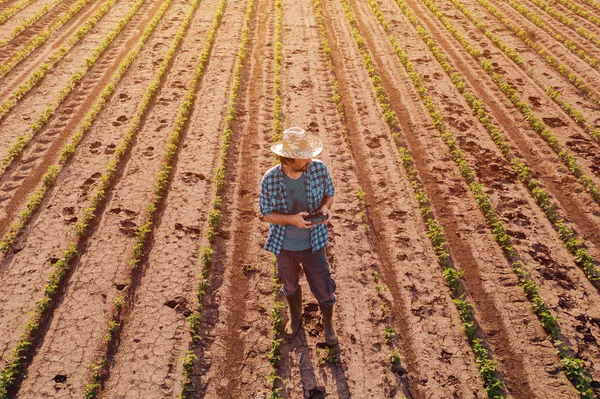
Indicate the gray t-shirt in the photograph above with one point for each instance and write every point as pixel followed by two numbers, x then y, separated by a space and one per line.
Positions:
pixel 296 239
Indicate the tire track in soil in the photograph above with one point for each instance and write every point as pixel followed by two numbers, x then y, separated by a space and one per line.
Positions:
pixel 445 363
pixel 526 359
pixel 579 208
pixel 102 271
pixel 155 335
pixel 33 105
pixel 562 284
pixel 23 69
pixel 25 14
pixel 51 230
pixel 21 179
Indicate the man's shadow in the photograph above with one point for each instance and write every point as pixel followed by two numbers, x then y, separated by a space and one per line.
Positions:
pixel 297 360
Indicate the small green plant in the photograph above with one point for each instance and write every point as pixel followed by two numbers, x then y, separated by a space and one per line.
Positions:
pixel 389 335
pixel 360 194
pixel 329 355
pixel 248 267
pixel 394 357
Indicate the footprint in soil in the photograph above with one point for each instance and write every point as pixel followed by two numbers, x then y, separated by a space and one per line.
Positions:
pixel 163 124
pixel 94 147
pixel 87 184
pixel 179 304
pixel 535 101
pixel 191 177
pixel 312 320
pixel 181 231
pixel 128 227
pixel 313 127
pixel 460 125
pixel 554 122
pixel 123 97
pixel 120 120
pixel 149 151
pixel 68 212
pixel 110 149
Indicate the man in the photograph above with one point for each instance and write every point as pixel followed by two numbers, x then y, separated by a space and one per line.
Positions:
pixel 297 187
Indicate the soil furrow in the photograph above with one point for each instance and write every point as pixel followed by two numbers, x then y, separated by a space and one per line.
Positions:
pixel 25 15
pixel 585 21
pixel 124 210
pixel 553 267
pixel 421 384
pixel 363 367
pixel 31 54
pixel 577 206
pixel 44 149
pixel 590 46
pixel 545 74
pixel 464 224
pixel 37 104
pixel 52 229
pixel 564 54
pixel 14 11
pixel 585 151
pixel 233 349
pixel 155 336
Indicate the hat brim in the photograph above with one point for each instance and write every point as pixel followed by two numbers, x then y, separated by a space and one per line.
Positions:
pixel 316 146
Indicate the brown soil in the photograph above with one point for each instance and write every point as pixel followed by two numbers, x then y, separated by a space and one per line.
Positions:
pixel 385 234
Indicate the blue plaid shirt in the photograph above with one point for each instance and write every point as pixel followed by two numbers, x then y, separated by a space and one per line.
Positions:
pixel 273 198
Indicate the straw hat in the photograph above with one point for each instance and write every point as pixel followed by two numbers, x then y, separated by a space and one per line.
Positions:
pixel 298 144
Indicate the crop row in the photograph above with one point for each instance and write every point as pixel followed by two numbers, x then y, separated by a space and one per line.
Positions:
pixel 43 306
pixel 567 21
pixel 274 355
pixel 42 71
pixel 592 3
pixel 453 278
pixel 337 100
pixel 580 11
pixel 15 8
pixel 67 152
pixel 574 113
pixel 568 235
pixel 573 366
pixel 28 22
pixel 535 122
pixel 19 144
pixel 40 39
pixel 578 51
pixel 219 181
pixel 145 230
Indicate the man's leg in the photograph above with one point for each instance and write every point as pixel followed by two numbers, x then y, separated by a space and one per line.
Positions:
pixel 322 285
pixel 288 272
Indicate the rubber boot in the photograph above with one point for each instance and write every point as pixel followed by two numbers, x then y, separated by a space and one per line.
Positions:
pixel 295 308
pixel 330 336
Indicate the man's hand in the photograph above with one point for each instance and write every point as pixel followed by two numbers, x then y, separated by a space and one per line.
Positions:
pixel 324 209
pixel 298 220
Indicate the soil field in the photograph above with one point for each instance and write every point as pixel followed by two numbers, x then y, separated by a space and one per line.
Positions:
pixel 463 139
